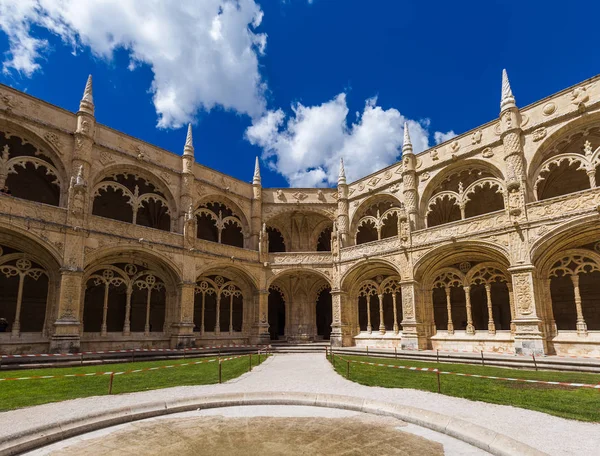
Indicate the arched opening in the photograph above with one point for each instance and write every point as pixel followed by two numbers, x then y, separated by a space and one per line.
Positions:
pixel 133 199
pixel 24 293
pixel 367 232
pixel 574 292
pixel 113 203
pixel 27 172
pixel 218 305
pixel 324 313
pixel 380 304
pixel 219 223
pixel 276 241
pixel 471 191
pixel 324 241
pixel 443 209
pixel 276 314
pixel 377 220
pixel 390 225
pixel 562 178
pixel 124 297
pixel 484 199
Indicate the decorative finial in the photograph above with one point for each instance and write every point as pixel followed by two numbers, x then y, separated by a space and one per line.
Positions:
pixel 87 102
pixel 407 144
pixel 188 149
pixel 508 100
pixel 342 176
pixel 406 135
pixel 256 178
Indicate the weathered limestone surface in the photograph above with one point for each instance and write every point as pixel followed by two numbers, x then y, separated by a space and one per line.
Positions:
pixel 488 241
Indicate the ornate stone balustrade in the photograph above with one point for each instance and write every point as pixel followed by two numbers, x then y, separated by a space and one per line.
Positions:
pixel 370 248
pixel 19 209
pixel 297 258
pixel 481 224
pixel 564 206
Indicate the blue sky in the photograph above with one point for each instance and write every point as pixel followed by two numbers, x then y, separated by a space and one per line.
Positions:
pixel 298 83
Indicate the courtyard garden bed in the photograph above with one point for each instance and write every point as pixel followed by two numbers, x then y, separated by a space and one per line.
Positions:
pixel 568 402
pixel 23 393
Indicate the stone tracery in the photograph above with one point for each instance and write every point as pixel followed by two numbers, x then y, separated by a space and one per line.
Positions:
pixel 303 274
pixel 131 198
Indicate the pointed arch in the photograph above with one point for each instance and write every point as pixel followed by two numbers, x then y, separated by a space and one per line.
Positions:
pixel 30 166
pixel 131 194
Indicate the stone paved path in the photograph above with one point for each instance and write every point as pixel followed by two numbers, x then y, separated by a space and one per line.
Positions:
pixel 313 373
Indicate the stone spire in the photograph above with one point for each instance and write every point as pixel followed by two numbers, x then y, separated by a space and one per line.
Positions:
pixel 87 102
pixel 508 100
pixel 406 145
pixel 188 149
pixel 256 178
pixel 342 176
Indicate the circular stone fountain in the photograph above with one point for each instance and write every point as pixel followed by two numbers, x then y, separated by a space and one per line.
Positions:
pixel 247 431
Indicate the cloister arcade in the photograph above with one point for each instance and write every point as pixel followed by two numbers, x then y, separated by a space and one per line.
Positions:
pixel 489 241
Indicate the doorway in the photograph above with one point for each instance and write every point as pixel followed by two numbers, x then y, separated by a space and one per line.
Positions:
pixel 324 314
pixel 276 314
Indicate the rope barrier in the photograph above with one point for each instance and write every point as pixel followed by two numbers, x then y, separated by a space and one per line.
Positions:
pixel 132 371
pixel 460 374
pixel 134 350
pixel 453 350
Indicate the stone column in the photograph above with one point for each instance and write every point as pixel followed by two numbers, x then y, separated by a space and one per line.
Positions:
pixel 381 321
pixel 103 327
pixel 488 295
pixel 396 328
pixel 414 336
pixel 218 316
pixel 66 337
pixel 182 332
pixel 369 327
pixel 261 300
pixel 528 336
pixel 470 327
pixel 147 325
pixel 231 314
pixel 16 326
pixel 581 325
pixel 511 302
pixel 449 308
pixel 341 330
pixel 127 322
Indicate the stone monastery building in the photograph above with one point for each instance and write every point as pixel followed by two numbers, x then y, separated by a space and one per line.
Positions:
pixel 490 241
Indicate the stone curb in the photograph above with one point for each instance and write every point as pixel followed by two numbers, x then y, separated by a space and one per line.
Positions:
pixel 480 437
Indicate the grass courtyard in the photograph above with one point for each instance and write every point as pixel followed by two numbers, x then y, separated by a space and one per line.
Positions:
pixel 24 393
pixel 568 402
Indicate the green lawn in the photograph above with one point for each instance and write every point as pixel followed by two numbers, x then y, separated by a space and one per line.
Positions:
pixel 24 393
pixel 567 402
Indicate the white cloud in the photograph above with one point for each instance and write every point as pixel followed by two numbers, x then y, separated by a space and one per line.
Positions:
pixel 203 53
pixel 306 148
pixel 440 137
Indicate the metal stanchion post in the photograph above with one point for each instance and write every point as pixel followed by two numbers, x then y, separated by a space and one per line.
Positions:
pixel 110 382
pixel 259 356
pixel 250 362
pixel 534 362
pixel 437 355
pixel 347 369
pixel 220 378
pixel 438 381
pixel 482 360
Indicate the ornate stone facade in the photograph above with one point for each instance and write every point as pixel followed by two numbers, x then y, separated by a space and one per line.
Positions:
pixel 490 241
